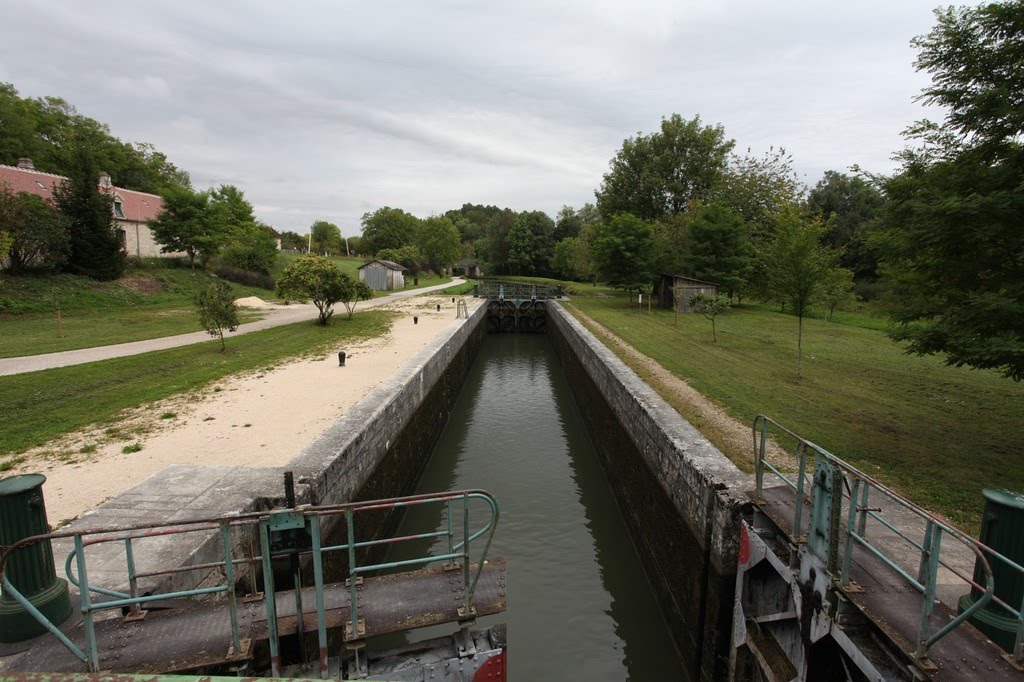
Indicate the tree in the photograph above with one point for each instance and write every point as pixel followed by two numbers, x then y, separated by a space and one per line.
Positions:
pixel 852 210
pixel 316 278
pixel 710 307
pixel 953 248
pixel 388 228
pixel 94 247
pixel 408 256
pixel 233 212
pixel 622 250
pixel 437 239
pixel 657 175
pixel 563 260
pixel 760 190
pixel 326 237
pixel 353 291
pixel 217 311
pixel 798 266
pixel 185 223
pixel 293 241
pixel 719 251
pixel 46 130
pixel 529 243
pixel 837 289
pixel 37 234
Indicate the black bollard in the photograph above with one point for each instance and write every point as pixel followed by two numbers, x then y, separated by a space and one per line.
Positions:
pixel 438 307
pixel 453 300
pixel 415 319
pixel 341 359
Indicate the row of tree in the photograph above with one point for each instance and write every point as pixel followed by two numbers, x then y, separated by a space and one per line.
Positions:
pixel 48 130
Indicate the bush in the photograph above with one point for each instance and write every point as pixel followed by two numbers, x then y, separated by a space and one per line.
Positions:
pixel 258 254
pixel 246 277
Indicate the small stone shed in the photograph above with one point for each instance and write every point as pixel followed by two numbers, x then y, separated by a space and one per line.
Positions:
pixel 382 275
pixel 675 291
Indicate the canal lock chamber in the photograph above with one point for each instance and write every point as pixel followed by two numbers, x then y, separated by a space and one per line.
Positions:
pixel 674 498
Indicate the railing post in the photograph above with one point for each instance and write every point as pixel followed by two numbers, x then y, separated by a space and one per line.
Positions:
pixel 270 600
pixel 851 520
pixel 353 597
pixel 801 481
pixel 229 579
pixel 133 587
pixel 928 576
pixel 1018 647
pixel 862 522
pixel 318 586
pixel 759 455
pixel 451 537
pixel 465 555
pixel 91 651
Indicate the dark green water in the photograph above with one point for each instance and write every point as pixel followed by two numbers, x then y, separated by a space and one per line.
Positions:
pixel 579 605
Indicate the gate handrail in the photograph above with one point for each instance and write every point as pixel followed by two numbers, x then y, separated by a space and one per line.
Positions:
pixel 856 489
pixel 309 516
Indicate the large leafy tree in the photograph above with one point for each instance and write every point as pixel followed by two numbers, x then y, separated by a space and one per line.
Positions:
pixel 94 248
pixel 187 224
pixel 852 208
pixel 530 243
pixel 46 130
pixel 798 266
pixel 325 237
pixel 623 252
pixel 658 175
pixel 388 228
pixel 719 251
pixel 38 234
pixel 954 250
pixel 437 239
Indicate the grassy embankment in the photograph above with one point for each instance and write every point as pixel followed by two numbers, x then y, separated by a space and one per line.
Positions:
pixel 40 406
pixel 939 434
pixel 147 303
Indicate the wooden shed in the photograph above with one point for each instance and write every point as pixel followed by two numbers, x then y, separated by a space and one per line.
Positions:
pixel 382 275
pixel 675 291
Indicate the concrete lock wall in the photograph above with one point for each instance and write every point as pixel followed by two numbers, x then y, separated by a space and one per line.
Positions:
pixel 380 447
pixel 680 496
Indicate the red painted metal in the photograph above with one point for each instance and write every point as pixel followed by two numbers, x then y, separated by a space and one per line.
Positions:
pixel 493 670
pixel 744 551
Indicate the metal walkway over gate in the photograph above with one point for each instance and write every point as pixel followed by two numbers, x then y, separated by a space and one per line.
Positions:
pixel 842 578
pixel 211 627
pixel 516 306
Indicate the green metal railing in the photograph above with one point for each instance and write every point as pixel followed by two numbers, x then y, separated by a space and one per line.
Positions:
pixel 515 291
pixel 304 519
pixel 856 489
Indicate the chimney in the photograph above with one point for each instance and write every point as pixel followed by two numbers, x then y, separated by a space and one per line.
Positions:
pixel 26 163
pixel 105 180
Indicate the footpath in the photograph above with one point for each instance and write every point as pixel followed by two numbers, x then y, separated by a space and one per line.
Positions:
pixel 275 317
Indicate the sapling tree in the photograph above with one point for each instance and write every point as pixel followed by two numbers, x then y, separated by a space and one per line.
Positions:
pixel 217 311
pixel 710 307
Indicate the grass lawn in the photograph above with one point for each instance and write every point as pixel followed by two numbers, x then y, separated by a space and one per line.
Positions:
pixel 43 405
pixel 939 434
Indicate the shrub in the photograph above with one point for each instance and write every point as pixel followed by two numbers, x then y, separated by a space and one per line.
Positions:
pixel 246 277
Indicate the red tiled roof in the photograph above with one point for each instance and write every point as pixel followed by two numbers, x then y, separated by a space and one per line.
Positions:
pixel 136 206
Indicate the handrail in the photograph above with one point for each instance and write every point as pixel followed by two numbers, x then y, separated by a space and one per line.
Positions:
pixel 305 516
pixel 856 485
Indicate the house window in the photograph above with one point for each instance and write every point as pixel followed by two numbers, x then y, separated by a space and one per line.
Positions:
pixel 123 238
pixel 118 211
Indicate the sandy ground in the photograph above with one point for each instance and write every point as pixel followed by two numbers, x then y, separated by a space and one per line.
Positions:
pixel 260 418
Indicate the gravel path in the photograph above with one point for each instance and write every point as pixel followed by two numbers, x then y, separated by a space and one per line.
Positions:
pixel 277 315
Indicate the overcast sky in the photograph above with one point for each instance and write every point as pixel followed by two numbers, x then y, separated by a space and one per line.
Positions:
pixel 329 110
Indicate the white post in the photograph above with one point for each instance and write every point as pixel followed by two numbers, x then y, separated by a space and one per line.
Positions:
pixel 309 249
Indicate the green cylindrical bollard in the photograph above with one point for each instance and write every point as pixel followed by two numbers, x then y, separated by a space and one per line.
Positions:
pixel 1002 529
pixel 30 569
